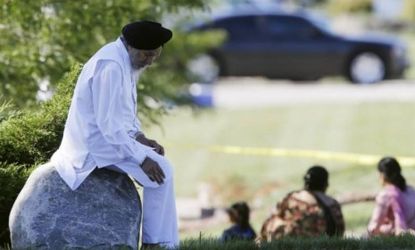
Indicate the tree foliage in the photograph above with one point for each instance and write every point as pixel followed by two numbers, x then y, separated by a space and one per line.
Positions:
pixel 41 39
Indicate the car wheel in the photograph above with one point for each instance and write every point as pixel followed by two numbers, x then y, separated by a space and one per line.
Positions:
pixel 366 68
pixel 204 68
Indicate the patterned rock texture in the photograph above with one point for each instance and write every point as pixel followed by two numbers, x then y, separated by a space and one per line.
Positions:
pixel 103 213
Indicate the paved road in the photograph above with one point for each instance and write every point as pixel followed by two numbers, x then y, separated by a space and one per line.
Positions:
pixel 257 92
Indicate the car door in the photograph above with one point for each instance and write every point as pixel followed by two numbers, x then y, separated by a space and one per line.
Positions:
pixel 242 53
pixel 295 48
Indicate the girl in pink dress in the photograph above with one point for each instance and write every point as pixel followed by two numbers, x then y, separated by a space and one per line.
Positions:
pixel 395 204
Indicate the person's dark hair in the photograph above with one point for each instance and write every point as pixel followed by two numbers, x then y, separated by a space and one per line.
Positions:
pixel 316 179
pixel 240 211
pixel 391 169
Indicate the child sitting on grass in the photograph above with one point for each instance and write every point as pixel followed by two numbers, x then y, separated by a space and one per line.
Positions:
pixel 241 229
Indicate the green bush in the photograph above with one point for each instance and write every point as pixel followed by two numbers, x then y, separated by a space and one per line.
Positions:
pixel 34 135
pixel 12 179
pixel 28 139
pixel 7 111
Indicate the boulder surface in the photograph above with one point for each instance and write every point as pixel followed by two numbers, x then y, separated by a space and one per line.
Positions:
pixel 103 213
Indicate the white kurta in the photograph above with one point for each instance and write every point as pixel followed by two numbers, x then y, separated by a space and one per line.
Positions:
pixel 100 132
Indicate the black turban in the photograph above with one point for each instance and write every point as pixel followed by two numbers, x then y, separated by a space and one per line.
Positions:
pixel 146 35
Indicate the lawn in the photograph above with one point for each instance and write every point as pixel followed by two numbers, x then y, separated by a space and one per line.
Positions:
pixel 318 243
pixel 362 128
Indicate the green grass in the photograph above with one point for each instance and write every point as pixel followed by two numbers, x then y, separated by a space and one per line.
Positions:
pixel 367 128
pixel 319 243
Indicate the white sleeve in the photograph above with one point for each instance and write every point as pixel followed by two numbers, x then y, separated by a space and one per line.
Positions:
pixel 136 129
pixel 107 93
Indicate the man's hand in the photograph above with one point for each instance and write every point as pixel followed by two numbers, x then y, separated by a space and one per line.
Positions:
pixel 151 143
pixel 153 170
pixel 157 147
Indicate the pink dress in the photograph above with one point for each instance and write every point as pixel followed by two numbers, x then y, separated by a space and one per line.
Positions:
pixel 394 212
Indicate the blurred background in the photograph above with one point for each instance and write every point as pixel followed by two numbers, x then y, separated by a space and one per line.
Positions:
pixel 293 84
pixel 246 97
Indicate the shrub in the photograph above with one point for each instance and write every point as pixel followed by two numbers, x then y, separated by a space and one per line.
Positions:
pixel 12 179
pixel 34 135
pixel 7 111
pixel 28 139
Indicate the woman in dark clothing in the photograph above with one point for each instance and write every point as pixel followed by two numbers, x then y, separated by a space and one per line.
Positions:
pixel 241 229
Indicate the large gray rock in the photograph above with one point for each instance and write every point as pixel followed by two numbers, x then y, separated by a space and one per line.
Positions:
pixel 103 213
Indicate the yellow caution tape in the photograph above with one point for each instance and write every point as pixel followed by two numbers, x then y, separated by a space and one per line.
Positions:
pixel 362 159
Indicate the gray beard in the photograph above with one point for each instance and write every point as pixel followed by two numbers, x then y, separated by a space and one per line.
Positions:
pixel 140 70
pixel 137 67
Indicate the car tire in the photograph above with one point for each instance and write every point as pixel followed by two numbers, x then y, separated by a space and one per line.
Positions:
pixel 366 67
pixel 204 68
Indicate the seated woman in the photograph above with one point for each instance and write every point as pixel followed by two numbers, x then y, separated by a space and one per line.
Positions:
pixel 308 212
pixel 241 229
pixel 395 204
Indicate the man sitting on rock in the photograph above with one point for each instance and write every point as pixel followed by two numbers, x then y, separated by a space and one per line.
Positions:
pixel 103 131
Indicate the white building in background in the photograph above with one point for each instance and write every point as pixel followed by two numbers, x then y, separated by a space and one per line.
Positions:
pixel 388 10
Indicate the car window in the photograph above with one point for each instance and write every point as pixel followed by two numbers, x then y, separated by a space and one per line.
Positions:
pixel 238 28
pixel 289 27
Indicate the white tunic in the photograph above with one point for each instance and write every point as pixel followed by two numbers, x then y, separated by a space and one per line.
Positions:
pixel 102 122
pixel 100 132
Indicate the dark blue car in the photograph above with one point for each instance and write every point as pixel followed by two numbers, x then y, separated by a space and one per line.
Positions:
pixel 297 46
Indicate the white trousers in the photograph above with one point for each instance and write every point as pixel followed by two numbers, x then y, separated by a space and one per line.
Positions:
pixel 159 216
pixel 159 205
